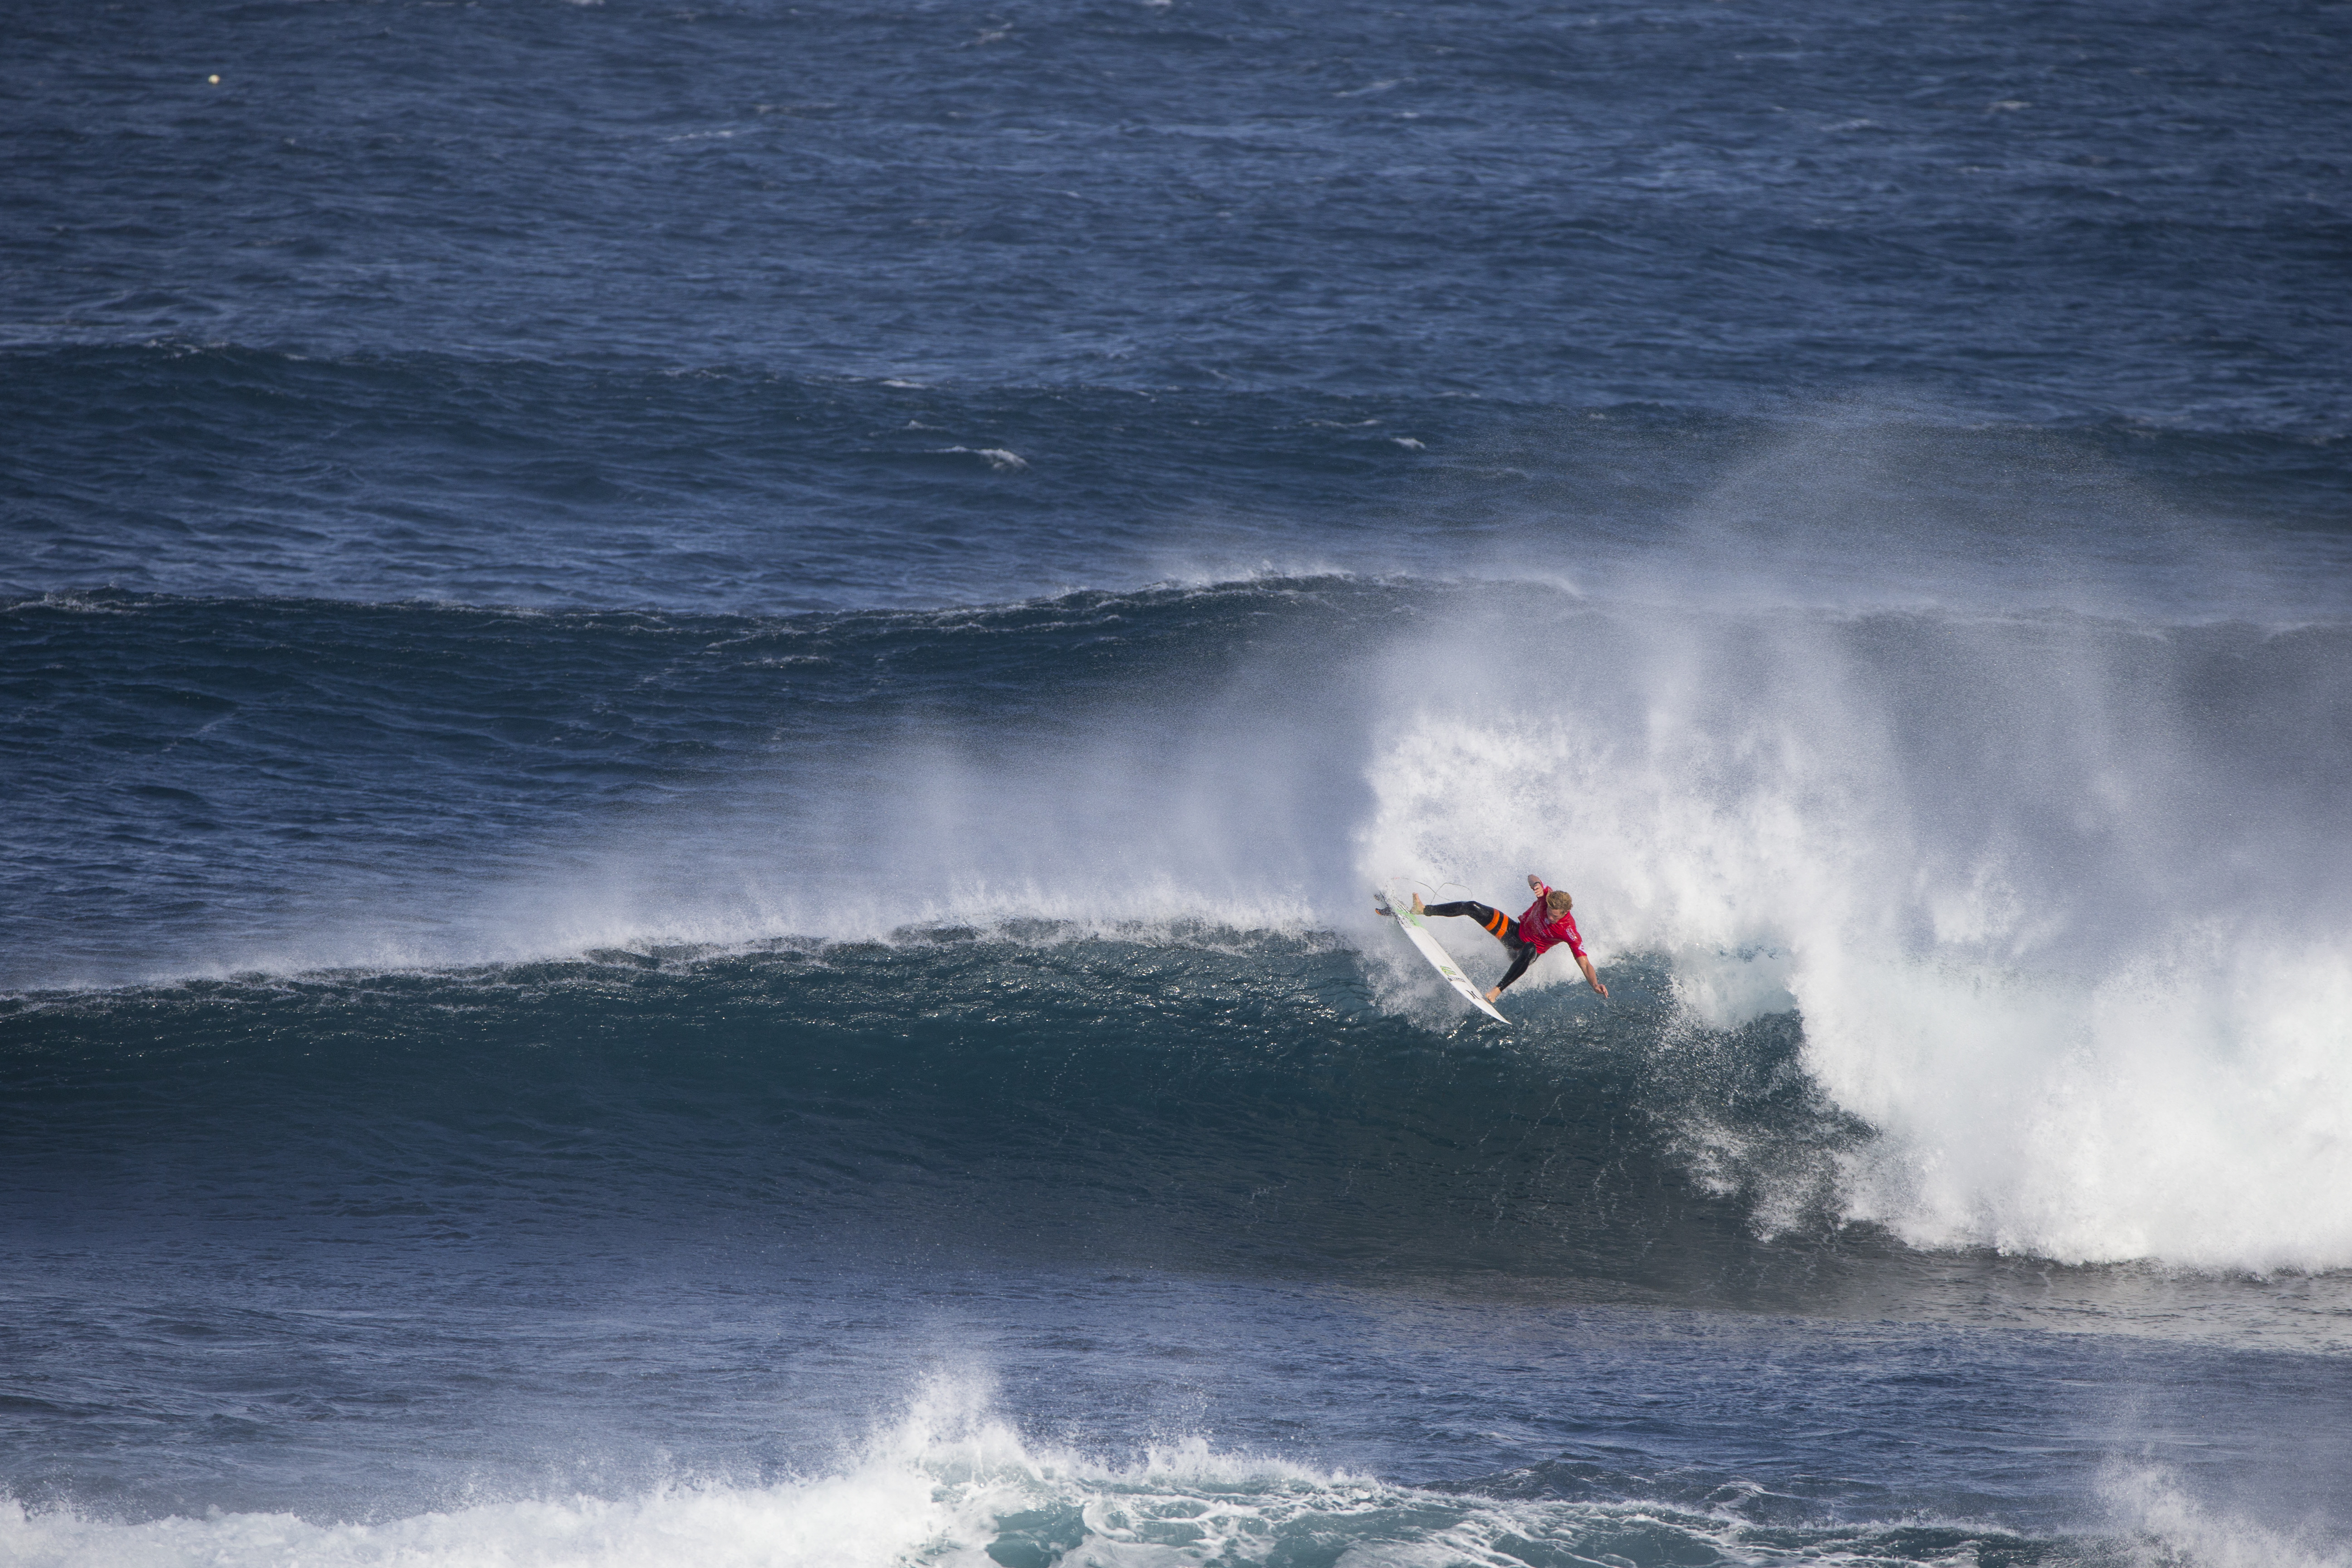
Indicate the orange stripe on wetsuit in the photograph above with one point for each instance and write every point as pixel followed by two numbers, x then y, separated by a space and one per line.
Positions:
pixel 1502 927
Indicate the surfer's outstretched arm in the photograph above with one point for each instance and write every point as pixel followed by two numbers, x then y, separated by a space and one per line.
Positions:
pixel 1591 977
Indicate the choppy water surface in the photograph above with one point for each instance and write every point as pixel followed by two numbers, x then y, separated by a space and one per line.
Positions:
pixel 698 703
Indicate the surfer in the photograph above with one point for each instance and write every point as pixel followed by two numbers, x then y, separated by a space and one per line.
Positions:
pixel 1544 925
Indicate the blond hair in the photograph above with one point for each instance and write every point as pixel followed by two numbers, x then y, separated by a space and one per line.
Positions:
pixel 1558 898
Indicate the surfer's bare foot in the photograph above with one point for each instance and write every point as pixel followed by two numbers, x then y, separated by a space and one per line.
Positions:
pixel 1417 906
pixel 1495 994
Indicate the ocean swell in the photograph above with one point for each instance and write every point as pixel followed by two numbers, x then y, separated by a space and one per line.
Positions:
pixel 2054 903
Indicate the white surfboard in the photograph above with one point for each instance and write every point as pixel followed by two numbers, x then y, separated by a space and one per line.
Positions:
pixel 1411 923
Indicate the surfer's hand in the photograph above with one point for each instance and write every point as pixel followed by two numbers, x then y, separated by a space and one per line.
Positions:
pixel 1534 881
pixel 1602 989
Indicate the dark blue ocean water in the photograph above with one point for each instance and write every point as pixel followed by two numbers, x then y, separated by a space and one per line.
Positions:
pixel 700 701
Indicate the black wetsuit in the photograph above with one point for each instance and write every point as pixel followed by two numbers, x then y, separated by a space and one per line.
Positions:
pixel 1505 930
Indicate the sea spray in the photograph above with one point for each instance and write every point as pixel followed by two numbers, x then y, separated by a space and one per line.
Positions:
pixel 2048 910
pixel 952 1486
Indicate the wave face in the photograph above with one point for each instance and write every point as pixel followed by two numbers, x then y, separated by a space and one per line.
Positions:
pixel 2060 902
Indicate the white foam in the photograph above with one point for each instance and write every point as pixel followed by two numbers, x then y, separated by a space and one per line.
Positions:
pixel 2190 1108
pixel 940 1487
pixel 944 1485
pixel 2167 1526
pixel 999 459
pixel 2090 1018
pixel 927 1488
pixel 875 1520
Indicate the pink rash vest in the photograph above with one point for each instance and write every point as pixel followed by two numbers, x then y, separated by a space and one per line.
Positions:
pixel 1547 934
